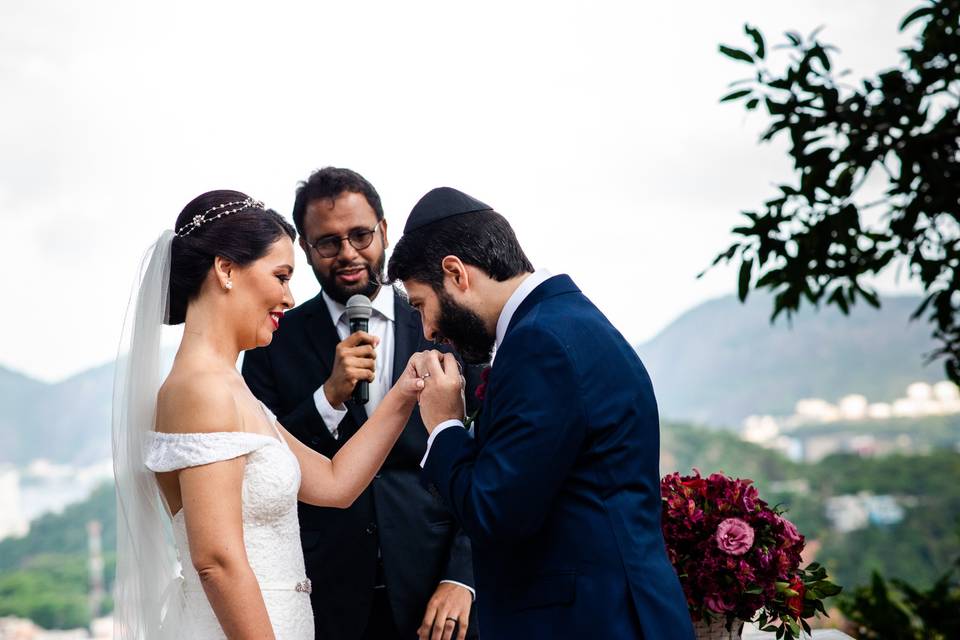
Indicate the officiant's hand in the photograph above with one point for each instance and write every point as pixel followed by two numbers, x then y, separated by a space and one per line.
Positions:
pixel 355 359
pixel 448 609
pixel 442 395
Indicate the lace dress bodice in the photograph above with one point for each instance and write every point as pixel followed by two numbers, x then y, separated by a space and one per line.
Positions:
pixel 271 531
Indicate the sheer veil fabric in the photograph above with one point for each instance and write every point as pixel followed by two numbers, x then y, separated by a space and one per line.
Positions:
pixel 149 603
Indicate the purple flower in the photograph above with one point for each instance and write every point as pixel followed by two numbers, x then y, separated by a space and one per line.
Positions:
pixel 734 536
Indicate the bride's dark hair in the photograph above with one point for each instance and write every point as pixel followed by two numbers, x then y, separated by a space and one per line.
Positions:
pixel 242 236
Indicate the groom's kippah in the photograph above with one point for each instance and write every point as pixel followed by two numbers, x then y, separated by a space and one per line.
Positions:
pixel 440 203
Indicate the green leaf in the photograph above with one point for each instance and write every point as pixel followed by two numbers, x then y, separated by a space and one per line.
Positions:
pixel 916 15
pixel 746 268
pixel 821 55
pixel 794 38
pixel 871 298
pixel 736 94
pixel 757 40
pixel 736 54
pixel 752 103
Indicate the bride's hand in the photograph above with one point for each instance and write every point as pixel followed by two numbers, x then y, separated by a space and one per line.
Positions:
pixel 411 383
pixel 442 395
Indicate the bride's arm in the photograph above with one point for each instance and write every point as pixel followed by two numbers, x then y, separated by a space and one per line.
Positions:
pixel 337 482
pixel 212 502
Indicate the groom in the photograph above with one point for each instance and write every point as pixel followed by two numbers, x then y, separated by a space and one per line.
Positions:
pixel 557 482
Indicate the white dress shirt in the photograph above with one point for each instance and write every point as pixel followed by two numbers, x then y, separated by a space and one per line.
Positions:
pixel 527 285
pixel 381 325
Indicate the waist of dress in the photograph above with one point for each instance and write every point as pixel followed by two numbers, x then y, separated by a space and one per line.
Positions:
pixel 304 586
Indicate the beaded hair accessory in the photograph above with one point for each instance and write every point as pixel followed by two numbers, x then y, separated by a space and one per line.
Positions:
pixel 221 210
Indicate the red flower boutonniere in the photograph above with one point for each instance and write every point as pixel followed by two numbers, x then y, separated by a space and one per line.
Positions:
pixel 480 394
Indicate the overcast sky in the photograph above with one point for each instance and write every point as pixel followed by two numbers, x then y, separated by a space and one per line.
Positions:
pixel 593 126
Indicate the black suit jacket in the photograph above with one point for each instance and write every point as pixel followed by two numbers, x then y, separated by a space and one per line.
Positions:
pixel 419 541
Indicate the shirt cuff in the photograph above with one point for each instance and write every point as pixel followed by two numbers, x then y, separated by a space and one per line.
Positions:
pixel 433 436
pixel 460 584
pixel 331 416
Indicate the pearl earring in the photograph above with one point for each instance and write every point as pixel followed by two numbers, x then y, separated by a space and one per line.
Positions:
pixel 229 285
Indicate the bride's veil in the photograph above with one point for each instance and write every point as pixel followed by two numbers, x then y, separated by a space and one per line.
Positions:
pixel 148 600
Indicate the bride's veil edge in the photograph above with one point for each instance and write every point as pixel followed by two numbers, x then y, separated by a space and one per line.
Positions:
pixel 148 601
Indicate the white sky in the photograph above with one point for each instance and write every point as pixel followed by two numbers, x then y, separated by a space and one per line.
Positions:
pixel 593 126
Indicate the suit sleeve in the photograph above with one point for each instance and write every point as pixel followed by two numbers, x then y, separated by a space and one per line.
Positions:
pixel 532 433
pixel 459 567
pixel 304 421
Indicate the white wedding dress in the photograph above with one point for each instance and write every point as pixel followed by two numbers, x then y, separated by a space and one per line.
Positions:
pixel 271 531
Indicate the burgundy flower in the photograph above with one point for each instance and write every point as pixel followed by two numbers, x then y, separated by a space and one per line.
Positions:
pixel 734 536
pixel 481 391
pixel 790 533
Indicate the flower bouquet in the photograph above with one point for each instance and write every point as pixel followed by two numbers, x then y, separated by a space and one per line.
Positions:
pixel 737 557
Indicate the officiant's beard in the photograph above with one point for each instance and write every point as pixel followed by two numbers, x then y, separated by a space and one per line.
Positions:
pixel 338 293
pixel 465 330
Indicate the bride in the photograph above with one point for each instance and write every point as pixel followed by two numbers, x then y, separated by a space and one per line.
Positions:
pixel 207 480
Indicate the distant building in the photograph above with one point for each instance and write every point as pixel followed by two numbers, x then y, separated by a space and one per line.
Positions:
pixel 12 520
pixel 851 512
pixel 787 434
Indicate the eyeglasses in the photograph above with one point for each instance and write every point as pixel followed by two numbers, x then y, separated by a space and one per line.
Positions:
pixel 329 246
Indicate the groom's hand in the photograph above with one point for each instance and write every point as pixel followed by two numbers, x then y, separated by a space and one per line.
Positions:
pixel 448 609
pixel 442 395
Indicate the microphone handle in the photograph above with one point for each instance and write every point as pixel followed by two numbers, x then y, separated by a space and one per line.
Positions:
pixel 361 392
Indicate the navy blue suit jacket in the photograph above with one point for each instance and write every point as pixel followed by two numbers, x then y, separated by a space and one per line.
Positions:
pixel 559 489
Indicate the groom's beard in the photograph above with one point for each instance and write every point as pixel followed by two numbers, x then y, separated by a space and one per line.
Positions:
pixel 340 293
pixel 465 330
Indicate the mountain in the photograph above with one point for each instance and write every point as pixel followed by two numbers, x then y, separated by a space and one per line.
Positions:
pixel 723 360
pixel 66 422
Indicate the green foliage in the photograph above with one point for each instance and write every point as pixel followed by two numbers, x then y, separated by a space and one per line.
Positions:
pixel 811 241
pixel 685 447
pixel 44 576
pixel 51 592
pixel 899 611
pixel 916 549
pixel 64 533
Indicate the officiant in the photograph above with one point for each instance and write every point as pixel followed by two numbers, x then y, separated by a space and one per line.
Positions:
pixel 394 563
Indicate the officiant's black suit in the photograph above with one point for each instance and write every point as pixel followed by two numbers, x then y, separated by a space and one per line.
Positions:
pixel 420 543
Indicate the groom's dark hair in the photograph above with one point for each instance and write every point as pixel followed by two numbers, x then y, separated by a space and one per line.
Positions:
pixel 481 239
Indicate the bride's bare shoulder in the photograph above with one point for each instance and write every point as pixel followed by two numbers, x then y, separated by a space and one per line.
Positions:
pixel 196 402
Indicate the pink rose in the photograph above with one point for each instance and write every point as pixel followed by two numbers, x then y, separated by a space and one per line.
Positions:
pixel 734 536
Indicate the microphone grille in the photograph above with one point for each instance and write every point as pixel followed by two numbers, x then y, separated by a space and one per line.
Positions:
pixel 359 306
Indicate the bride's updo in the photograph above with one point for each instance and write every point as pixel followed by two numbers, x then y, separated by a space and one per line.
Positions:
pixel 229 224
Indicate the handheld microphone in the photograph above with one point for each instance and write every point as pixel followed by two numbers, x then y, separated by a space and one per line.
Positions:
pixel 359 310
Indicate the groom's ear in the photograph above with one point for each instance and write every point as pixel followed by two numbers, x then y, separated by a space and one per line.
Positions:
pixel 455 272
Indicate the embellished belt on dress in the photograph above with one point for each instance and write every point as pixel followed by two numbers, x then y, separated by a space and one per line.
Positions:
pixel 304 586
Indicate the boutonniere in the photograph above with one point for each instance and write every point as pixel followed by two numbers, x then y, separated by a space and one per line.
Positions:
pixel 480 394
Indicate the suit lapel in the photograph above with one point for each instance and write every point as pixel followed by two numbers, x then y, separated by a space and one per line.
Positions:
pixel 322 334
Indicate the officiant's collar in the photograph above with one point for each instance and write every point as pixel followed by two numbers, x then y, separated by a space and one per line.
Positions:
pixel 526 287
pixel 382 304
